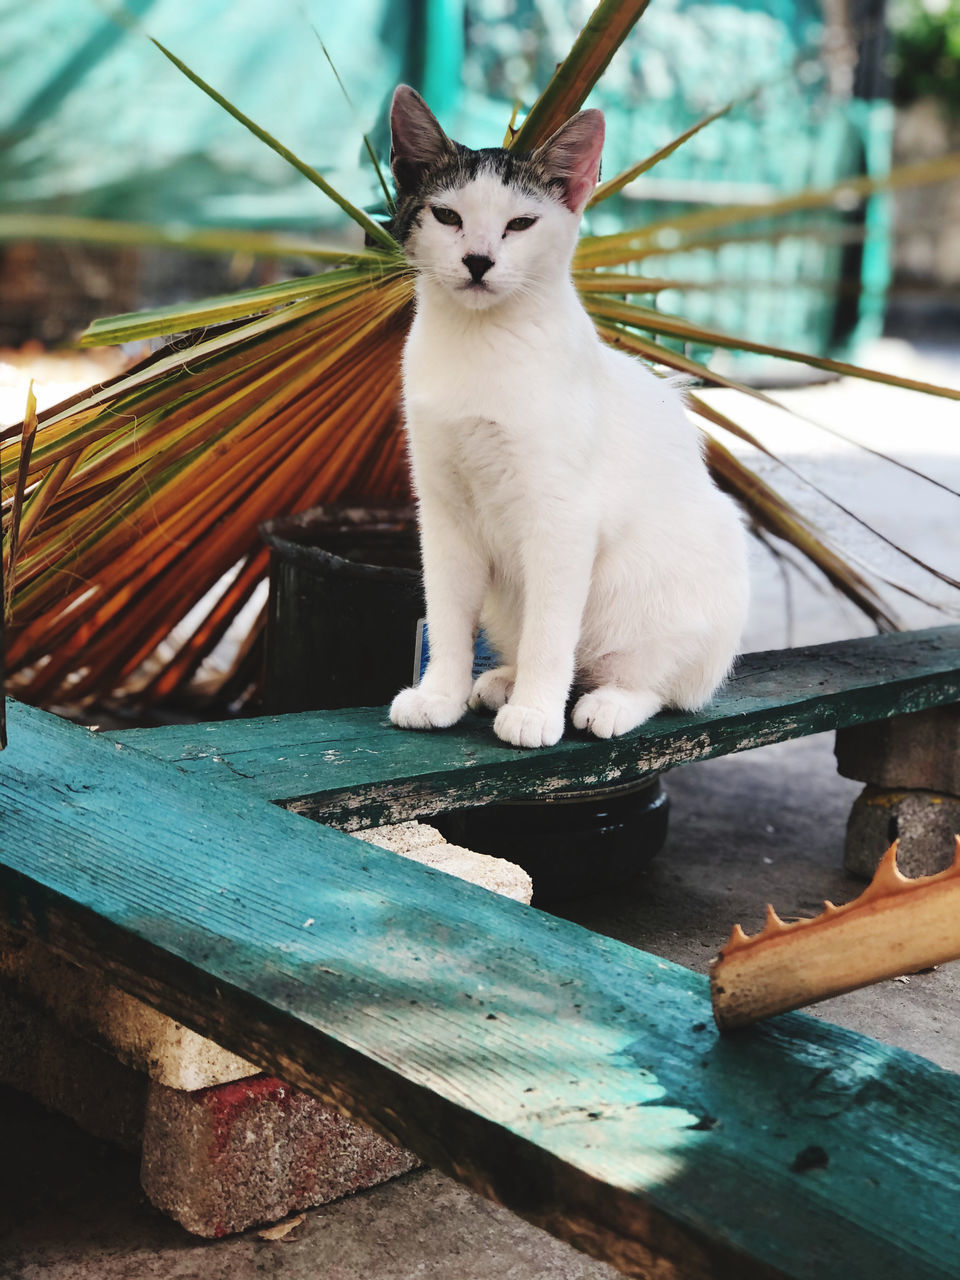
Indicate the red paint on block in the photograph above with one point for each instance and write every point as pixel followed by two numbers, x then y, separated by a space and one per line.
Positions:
pixel 227 1105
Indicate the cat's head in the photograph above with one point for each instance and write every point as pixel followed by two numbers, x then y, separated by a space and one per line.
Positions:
pixel 491 224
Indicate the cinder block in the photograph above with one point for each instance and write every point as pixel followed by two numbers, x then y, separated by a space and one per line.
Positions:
pixel 222 1159
pixel 86 1005
pixel 423 843
pixel 68 1075
pixel 923 821
pixel 917 752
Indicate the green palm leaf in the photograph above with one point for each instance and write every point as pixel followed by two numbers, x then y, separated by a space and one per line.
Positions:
pixel 610 24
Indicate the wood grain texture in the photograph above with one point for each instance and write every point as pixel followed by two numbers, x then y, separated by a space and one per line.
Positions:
pixel 574 1079
pixel 354 769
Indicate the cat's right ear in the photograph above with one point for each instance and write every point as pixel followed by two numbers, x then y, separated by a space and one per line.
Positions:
pixel 571 156
pixel 417 141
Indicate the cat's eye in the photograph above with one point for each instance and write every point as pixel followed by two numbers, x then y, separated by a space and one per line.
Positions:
pixel 520 224
pixel 446 216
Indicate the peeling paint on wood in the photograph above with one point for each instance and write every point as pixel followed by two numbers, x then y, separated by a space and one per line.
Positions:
pixel 354 769
pixel 598 1101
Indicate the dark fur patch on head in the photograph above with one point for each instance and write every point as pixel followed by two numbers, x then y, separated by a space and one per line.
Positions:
pixel 522 172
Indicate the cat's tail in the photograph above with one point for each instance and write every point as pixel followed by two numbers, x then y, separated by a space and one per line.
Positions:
pixel 707 665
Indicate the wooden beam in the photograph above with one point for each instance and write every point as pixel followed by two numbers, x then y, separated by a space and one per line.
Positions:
pixel 574 1079
pixel 353 769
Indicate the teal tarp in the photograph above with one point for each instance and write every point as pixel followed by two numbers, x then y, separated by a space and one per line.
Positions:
pixel 94 121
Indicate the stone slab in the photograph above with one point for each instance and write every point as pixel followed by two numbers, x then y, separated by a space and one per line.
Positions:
pixel 223 1159
pixel 918 752
pixel 924 822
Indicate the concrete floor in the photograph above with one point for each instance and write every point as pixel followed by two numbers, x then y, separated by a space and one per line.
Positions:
pixel 745 830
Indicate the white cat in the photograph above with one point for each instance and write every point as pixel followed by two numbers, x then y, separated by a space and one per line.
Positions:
pixel 564 503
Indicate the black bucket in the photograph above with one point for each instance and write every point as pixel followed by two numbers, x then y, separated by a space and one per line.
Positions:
pixel 345 600
pixel 346 604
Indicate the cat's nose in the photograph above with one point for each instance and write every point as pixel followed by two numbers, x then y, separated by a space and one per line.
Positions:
pixel 477 265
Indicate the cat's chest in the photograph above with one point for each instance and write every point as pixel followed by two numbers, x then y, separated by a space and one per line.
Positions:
pixel 514 376
pixel 481 450
pixel 453 385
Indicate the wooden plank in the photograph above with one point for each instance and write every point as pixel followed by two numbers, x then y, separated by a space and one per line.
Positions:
pixel 574 1079
pixel 353 769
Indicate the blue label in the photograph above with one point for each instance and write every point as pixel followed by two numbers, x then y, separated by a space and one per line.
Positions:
pixel 484 658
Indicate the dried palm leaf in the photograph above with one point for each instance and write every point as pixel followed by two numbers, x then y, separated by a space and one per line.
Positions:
pixel 139 500
pixel 896 926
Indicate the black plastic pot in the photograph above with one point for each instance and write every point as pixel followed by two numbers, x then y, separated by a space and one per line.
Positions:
pixel 575 843
pixel 346 599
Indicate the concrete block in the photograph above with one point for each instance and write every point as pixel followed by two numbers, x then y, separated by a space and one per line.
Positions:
pixel 923 821
pixel 88 1006
pixel 222 1159
pixel 423 843
pixel 919 751
pixel 68 1075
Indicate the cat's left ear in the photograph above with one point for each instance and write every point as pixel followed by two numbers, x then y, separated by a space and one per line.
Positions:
pixel 572 154
pixel 417 141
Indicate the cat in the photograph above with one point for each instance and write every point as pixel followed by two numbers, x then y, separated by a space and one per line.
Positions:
pixel 564 503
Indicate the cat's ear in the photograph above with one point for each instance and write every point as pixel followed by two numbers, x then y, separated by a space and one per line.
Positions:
pixel 572 155
pixel 417 141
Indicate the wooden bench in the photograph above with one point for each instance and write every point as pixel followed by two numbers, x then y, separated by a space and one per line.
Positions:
pixel 577 1080
pixel 353 769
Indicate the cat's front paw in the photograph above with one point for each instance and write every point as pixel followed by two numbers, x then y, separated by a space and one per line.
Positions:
pixel 492 689
pixel 528 726
pixel 415 709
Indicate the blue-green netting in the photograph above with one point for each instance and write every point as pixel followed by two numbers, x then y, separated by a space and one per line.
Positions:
pixel 94 121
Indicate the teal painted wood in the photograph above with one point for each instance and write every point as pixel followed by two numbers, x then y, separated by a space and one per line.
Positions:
pixel 566 1075
pixel 352 768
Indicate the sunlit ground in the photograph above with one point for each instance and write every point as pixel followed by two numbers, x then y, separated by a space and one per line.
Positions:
pixel 56 375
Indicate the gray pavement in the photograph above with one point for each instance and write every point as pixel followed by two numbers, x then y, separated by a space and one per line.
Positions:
pixel 745 830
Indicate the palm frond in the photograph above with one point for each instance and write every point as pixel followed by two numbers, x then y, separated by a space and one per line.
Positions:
pixel 635 316
pixel 331 286
pixel 609 25
pixel 9 571
pixel 774 514
pixel 136 503
pixel 372 229
pixel 680 231
pixel 115 234
pixel 367 144
pixel 159 490
pixel 606 189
